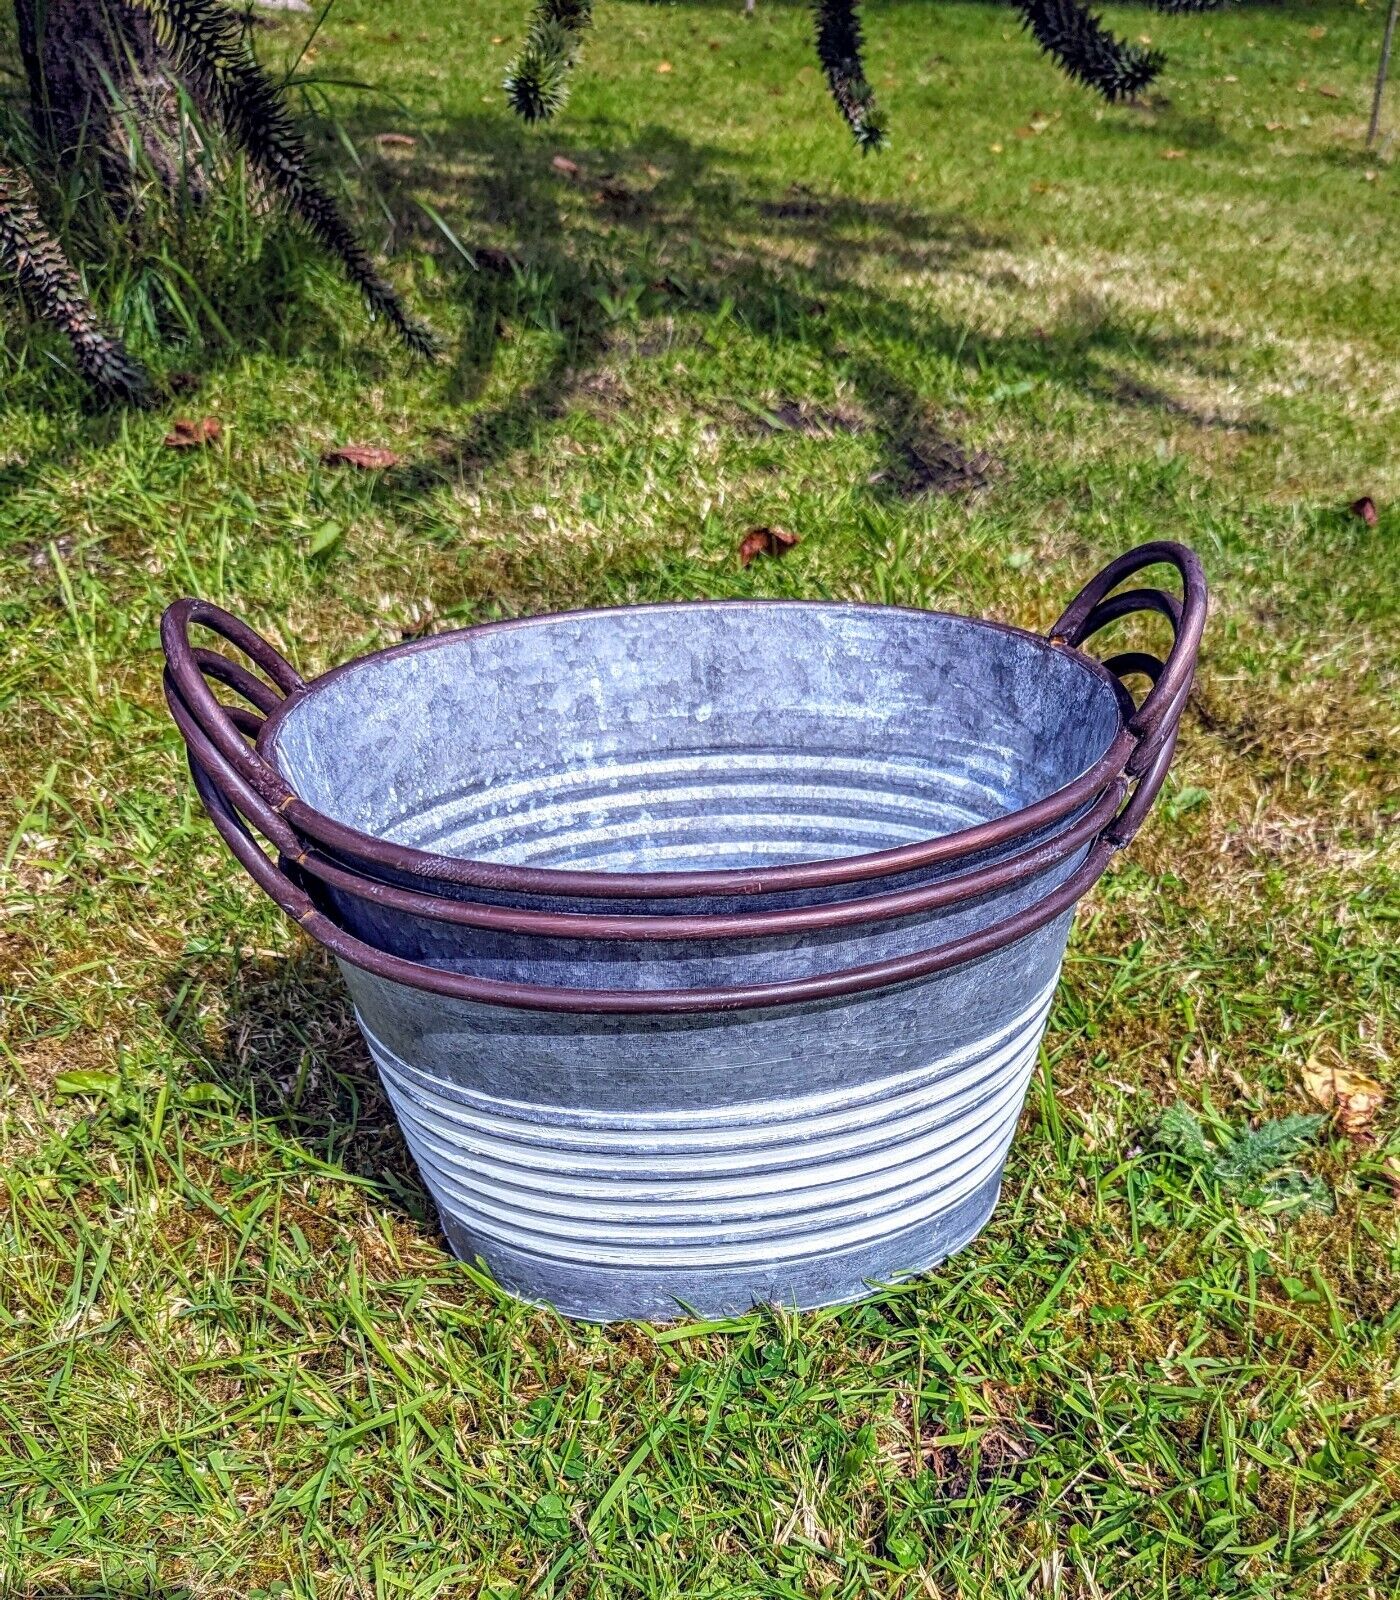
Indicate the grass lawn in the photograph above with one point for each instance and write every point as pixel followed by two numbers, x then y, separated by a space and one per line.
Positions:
pixel 235 1358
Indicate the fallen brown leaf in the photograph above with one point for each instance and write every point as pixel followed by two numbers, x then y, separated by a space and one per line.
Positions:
pixel 1328 92
pixel 1353 1098
pixel 570 169
pixel 1365 508
pixel 369 457
pixel 663 66
pixel 1273 127
pixel 395 141
pixel 1173 155
pixel 1318 32
pixel 765 541
pixel 187 435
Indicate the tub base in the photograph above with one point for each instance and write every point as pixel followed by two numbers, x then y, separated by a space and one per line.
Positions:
pixel 601 1294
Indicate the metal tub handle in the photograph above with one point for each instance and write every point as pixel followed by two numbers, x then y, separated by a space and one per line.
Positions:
pixel 228 728
pixel 1096 606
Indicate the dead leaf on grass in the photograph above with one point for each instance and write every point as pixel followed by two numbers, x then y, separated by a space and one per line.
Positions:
pixel 188 435
pixel 1365 508
pixel 369 457
pixel 1328 92
pixel 765 541
pixel 1173 155
pixel 395 141
pixel 570 169
pixel 1353 1098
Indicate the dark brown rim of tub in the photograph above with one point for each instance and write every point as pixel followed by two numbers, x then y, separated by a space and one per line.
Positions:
pixel 462 986
pixel 308 863
pixel 1131 752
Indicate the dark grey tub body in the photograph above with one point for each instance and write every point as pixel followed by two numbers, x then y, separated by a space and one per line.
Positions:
pixel 640 1166
pixel 629 1166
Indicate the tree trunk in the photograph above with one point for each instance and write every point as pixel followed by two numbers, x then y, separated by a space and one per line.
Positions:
pixel 98 82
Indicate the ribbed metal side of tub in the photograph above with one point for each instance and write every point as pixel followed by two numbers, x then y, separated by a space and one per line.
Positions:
pixel 639 1167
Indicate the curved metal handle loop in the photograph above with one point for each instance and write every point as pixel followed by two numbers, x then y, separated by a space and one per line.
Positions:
pixel 1126 665
pixel 1123 829
pixel 255 691
pixel 191 666
pixel 1095 606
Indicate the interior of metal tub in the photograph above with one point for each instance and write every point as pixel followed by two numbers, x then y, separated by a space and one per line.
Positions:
pixel 712 735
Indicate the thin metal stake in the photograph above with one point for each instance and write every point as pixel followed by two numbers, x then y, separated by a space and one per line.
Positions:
pixel 1382 73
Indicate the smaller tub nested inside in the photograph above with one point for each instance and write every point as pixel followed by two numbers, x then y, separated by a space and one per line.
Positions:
pixel 725 759
pixel 688 759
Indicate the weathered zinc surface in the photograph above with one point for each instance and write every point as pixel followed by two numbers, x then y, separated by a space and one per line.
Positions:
pixel 704 950
pixel 629 1166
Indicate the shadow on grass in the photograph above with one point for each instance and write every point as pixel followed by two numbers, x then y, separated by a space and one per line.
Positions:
pixel 665 234
pixel 288 1049
pixel 633 251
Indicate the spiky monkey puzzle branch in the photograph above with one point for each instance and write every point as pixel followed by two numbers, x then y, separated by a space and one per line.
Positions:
pixel 537 81
pixel 1075 38
pixel 54 292
pixel 91 63
pixel 839 46
pixel 207 44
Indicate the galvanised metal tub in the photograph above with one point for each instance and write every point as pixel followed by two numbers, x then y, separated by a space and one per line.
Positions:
pixel 704 950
